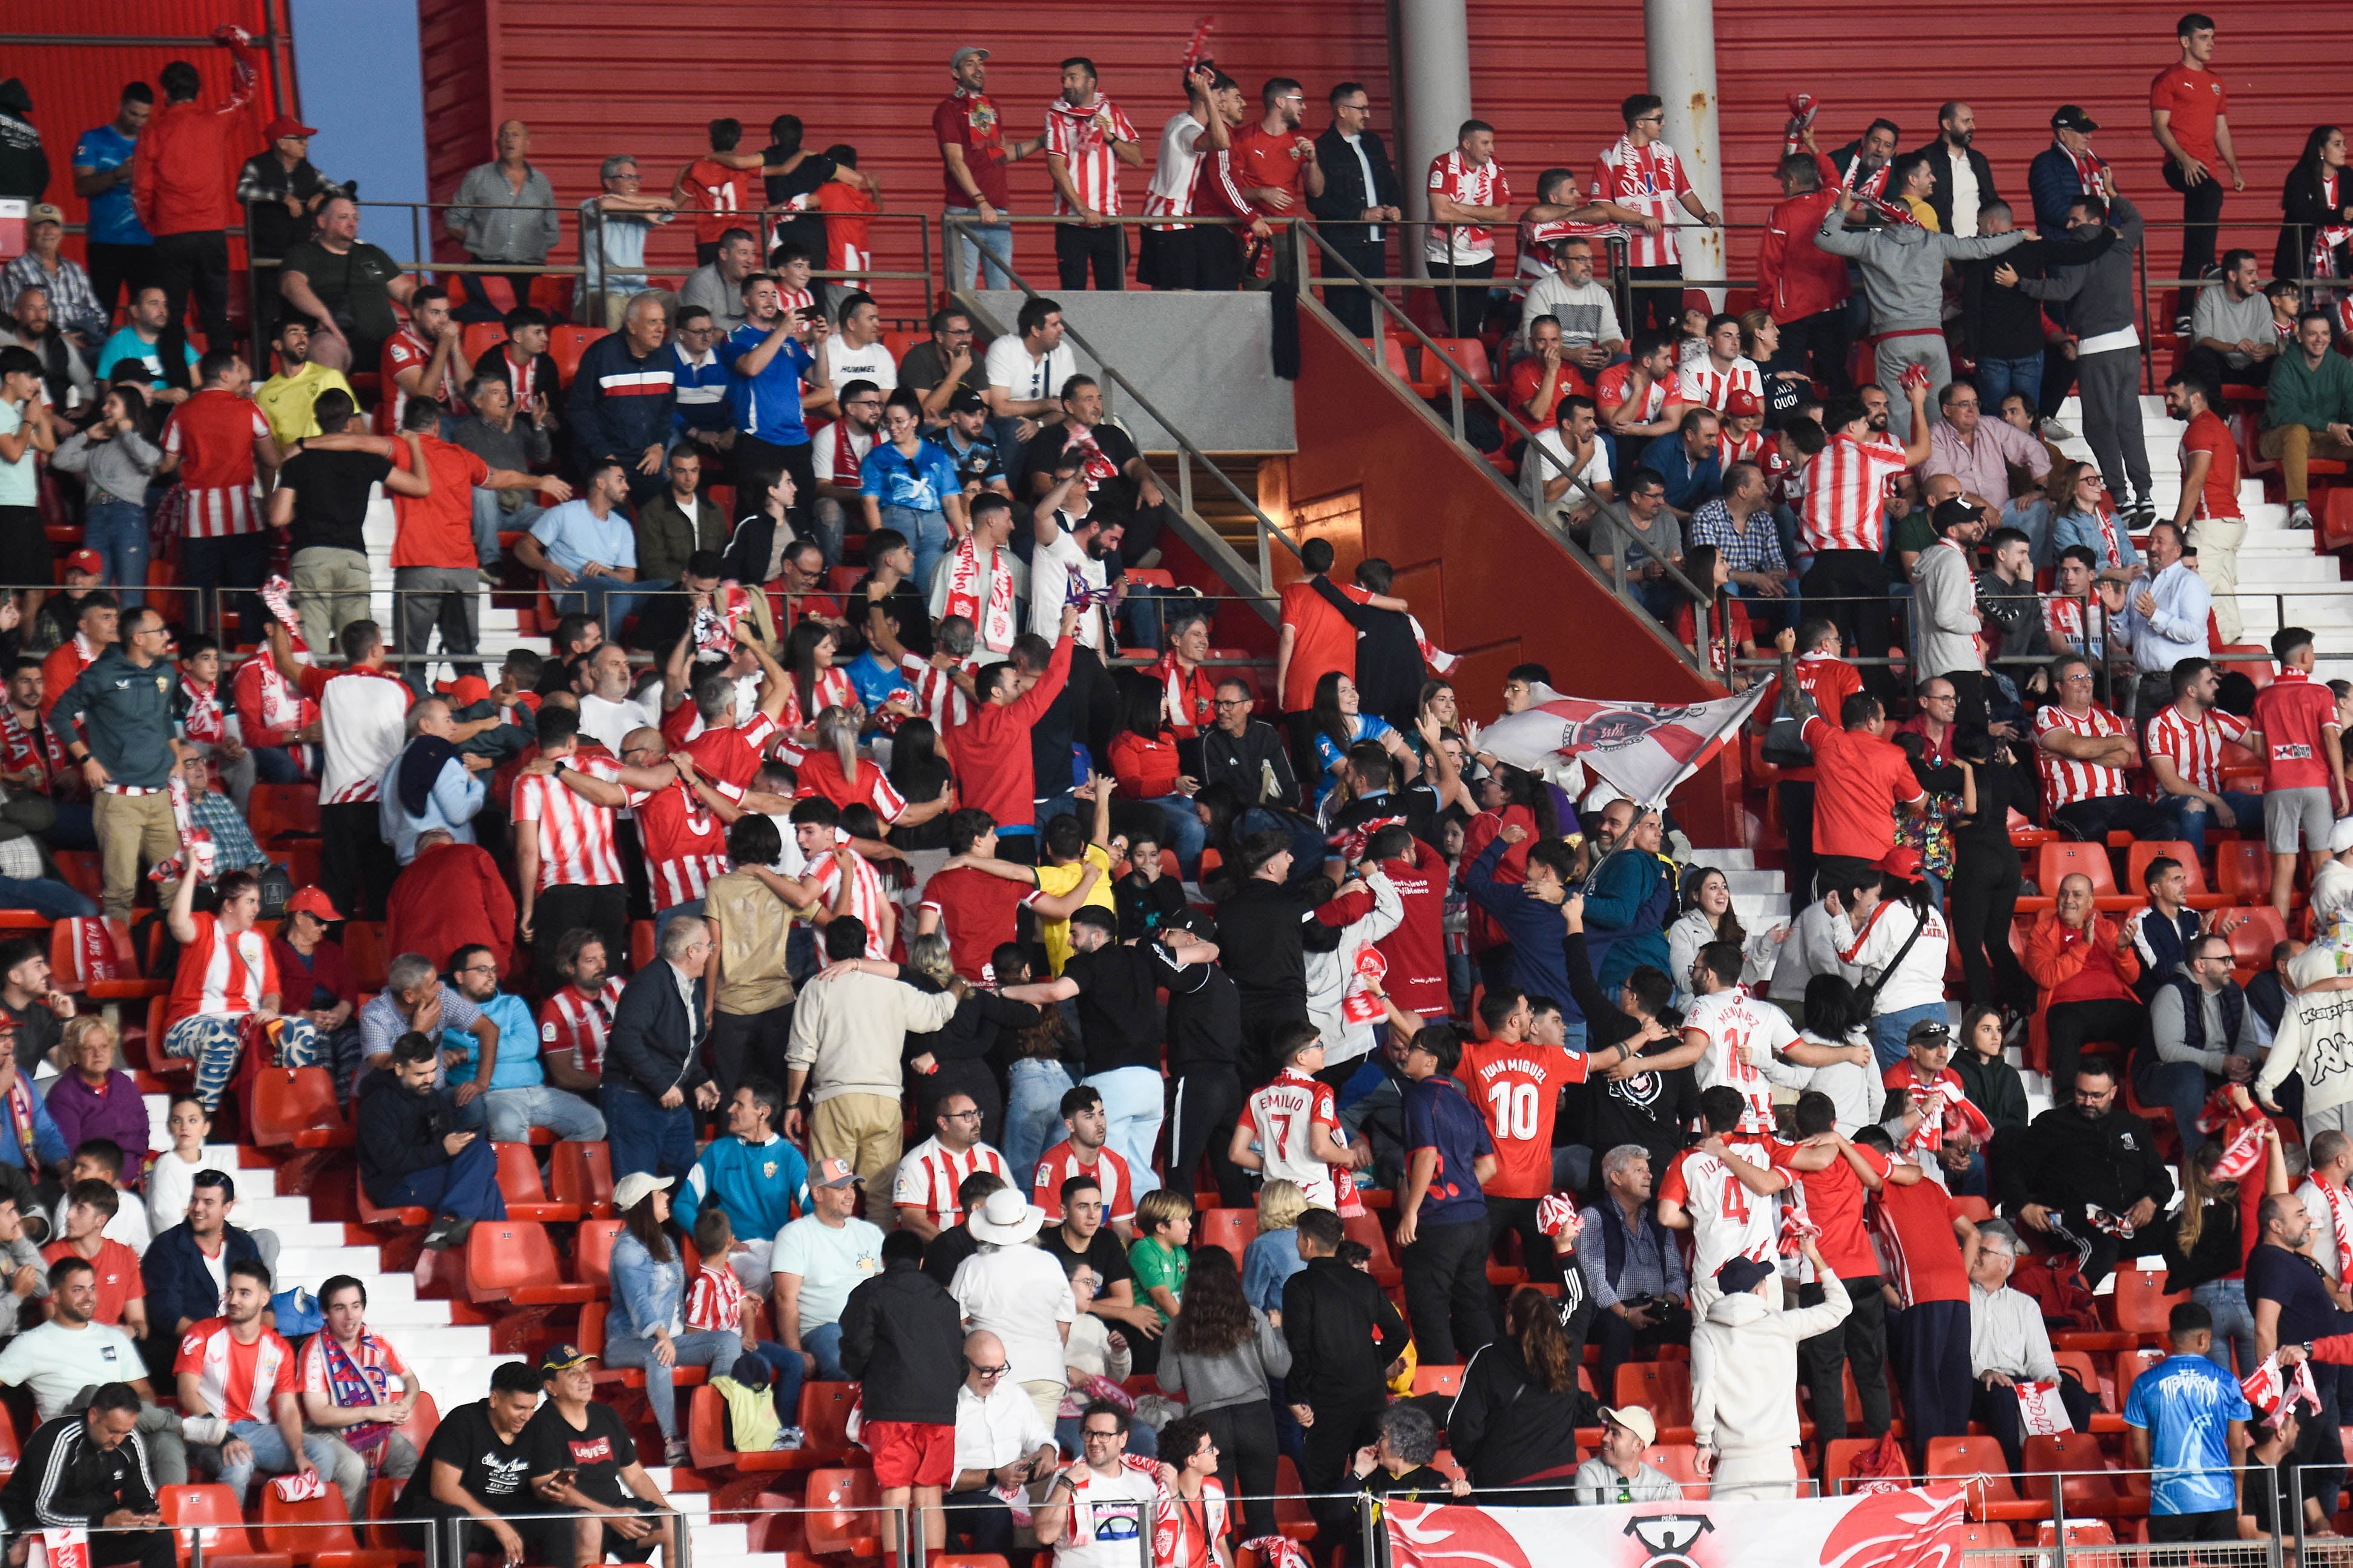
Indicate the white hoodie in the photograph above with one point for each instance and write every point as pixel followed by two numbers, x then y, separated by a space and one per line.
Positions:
pixel 1332 976
pixel 1745 1368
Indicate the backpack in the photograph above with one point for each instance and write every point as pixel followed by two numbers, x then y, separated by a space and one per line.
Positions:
pixel 2059 1289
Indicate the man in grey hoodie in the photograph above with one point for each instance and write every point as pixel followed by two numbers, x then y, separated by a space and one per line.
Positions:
pixel 1903 269
pixel 1945 603
pixel 2108 344
pixel 1744 1377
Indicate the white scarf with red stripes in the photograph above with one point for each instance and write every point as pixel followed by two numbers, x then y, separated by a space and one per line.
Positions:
pixel 992 619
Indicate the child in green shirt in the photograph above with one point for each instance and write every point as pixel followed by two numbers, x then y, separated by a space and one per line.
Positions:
pixel 1160 1256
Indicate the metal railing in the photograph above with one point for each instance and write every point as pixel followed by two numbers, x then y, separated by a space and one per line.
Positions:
pixel 1207 540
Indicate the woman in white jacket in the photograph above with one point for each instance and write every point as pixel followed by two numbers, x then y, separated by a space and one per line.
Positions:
pixel 1744 1377
pixel 1873 932
pixel 1707 917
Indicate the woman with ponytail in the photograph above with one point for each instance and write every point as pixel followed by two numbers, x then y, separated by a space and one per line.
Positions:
pixel 1514 1425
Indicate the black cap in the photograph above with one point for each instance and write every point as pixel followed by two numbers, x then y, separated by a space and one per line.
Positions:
pixel 1741 1274
pixel 2070 116
pixel 1954 512
pixel 964 400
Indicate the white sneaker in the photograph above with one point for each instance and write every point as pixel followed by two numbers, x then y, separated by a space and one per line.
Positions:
pixel 791 1437
pixel 2054 431
pixel 2299 516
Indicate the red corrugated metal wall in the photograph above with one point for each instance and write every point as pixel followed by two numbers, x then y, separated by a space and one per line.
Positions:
pixel 1548 80
pixel 77 81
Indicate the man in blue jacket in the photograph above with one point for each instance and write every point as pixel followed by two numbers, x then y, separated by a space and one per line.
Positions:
pixel 760 1180
pixel 412 1153
pixel 1530 911
pixel 186 1269
pixel 623 395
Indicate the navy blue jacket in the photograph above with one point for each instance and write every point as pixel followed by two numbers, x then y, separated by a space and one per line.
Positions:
pixel 1539 950
pixel 179 1285
pixel 621 405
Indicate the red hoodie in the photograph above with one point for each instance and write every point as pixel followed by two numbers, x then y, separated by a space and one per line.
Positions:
pixel 182 178
pixel 990 751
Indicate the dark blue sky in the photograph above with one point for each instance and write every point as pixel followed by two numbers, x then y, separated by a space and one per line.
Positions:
pixel 357 62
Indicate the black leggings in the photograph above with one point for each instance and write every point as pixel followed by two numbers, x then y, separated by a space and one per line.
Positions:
pixel 1979 903
pixel 1244 1435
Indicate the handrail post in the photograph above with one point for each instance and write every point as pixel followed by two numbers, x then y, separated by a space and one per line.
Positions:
pixel 1454 385
pixel 2295 1505
pixel 923 239
pixel 2058 1523
pixel 1185 481
pixel 1369 1531
pixel 197 1548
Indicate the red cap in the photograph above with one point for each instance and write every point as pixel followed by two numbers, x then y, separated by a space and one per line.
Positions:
pixel 1742 404
pixel 285 125
pixel 1902 861
pixel 89 560
pixel 312 901
pixel 464 691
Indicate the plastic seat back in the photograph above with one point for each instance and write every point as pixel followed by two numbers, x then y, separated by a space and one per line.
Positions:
pixel 567 343
pixel 210 1508
pixel 2139 1303
pixel 1233 1229
pixel 592 1254
pixel 289 1103
pixel 843 1518
pixel 825 1418
pixel 506 1256
pixel 1662 1387
pixel 2063 859
pixel 2143 851
pixel 319 1524
pixel 1428 1379
pixel 582 1174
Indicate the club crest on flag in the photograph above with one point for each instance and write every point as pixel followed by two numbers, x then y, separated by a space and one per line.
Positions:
pixel 1668 1535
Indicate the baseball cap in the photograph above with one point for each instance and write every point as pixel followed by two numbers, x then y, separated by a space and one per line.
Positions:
pixel 285 125
pixel 1929 1031
pixel 955 60
pixel 964 400
pixel 633 1189
pixel 1743 404
pixel 89 560
pixel 833 1171
pixel 2340 837
pixel 564 1358
pixel 312 901
pixel 464 691
pixel 2070 116
pixel 46 212
pixel 1954 512
pixel 1741 1274
pixel 1635 1419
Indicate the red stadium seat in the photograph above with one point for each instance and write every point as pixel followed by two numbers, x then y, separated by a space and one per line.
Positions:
pixel 318 1533
pixel 526 1194
pixel 1661 1387
pixel 1233 1229
pixel 512 1261
pixel 2143 851
pixel 383 1535
pixel 1293 1517
pixel 843 1518
pixel 580 1175
pixel 567 343
pixel 1428 1379
pixel 2139 1304
pixel 296 1107
pixel 480 337
pixel 1366 1228
pixel 592 1252
pixel 2243 873
pixel 2062 858
pixel 213 1511
pixel 1978 1465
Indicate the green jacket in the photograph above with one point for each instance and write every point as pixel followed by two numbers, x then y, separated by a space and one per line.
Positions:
pixel 2314 399
pixel 125 713
pixel 665 539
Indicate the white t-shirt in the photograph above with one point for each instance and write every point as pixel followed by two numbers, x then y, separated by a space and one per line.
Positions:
pixel 170 1185
pixel 57 1362
pixel 1109 1515
pixel 831 1264
pixel 1728 1221
pixel 825 454
pixel 1535 472
pixel 1731 1023
pixel 1018 1294
pixel 606 722
pixel 1008 365
pixel 1051 569
pixel 844 365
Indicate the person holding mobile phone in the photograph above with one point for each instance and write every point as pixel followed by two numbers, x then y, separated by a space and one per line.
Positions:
pixel 411 1154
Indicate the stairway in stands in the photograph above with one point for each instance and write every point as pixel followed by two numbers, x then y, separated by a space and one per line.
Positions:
pixel 499 626
pixel 452 1360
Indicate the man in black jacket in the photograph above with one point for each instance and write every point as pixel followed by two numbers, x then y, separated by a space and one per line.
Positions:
pixel 1343 1335
pixel 902 1340
pixel 653 1060
pixel 1360 197
pixel 177 1268
pixel 411 1155
pixel 1958 167
pixel 2001 328
pixel 2088 1176
pixel 89 1471
pixel 1247 755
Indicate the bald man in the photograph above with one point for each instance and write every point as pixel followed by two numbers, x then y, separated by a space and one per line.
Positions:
pixel 1000 1442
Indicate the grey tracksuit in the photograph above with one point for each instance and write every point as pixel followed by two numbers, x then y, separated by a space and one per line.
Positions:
pixel 1903 282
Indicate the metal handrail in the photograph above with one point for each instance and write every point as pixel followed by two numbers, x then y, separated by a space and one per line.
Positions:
pixel 1376 355
pixel 1187 452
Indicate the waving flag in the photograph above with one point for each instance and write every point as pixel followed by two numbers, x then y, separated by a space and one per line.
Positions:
pixel 1645 749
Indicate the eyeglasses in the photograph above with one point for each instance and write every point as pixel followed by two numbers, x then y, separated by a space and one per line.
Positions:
pixel 2083 675
pixel 1094 1435
pixel 978 1370
pixel 960 1115
pixel 1230 703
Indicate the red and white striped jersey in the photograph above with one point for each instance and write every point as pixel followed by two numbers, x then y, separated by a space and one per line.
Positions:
pixel 1847 485
pixel 686 845
pixel 1474 185
pixel 576 834
pixel 1188 1534
pixel 938 697
pixel 1170 195
pixel 930 1173
pixel 1731 449
pixel 1280 1114
pixel 1060 1162
pixel 1703 385
pixel 1648 180
pixel 1732 1025
pixel 237 1382
pixel 212 434
pixel 2194 746
pixel 1082 139
pixel 571 1021
pixel 404 349
pixel 220 975
pixel 867 893
pixel 2064 780
pixel 714 1302
pixel 2062 617
pixel 831 689
pixel 1728 1221
pixel 730 756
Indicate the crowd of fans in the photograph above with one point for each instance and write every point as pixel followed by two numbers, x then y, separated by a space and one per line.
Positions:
pixel 928 836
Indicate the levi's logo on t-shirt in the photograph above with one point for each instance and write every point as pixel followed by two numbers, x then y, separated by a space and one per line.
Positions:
pixel 595 1450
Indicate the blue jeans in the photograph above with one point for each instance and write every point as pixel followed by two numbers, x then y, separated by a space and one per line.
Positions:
pixel 926 532
pixel 49 899
pixel 2233 1323
pixel 824 1342
pixel 1887 1032
pixel 645 1137
pixel 491 519
pixel 1033 1111
pixel 2190 815
pixel 1134 1104
pixel 465 1188
pixel 515 1111
pixel 1998 378
pixel 607 600
pixel 269 1454
pixel 116 530
pixel 713 1348
pixel 978 250
pixel 276 765
pixel 1185 834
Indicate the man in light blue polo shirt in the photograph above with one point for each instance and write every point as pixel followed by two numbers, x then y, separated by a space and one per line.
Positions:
pixel 517 1096
pixel 141 340
pixel 117 246
pixel 586 549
